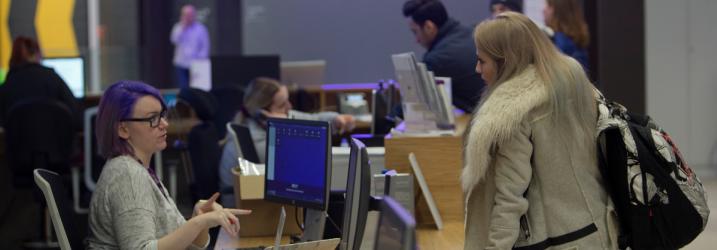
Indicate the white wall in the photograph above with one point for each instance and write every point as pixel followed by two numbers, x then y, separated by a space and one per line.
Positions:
pixel 681 68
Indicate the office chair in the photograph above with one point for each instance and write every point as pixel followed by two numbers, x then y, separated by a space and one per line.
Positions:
pixel 243 142
pixel 203 148
pixel 39 133
pixel 202 143
pixel 229 99
pixel 203 103
pixel 204 153
pixel 93 162
pixel 59 207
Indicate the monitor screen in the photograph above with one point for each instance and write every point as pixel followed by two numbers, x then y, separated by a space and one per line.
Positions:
pixel 298 162
pixel 396 227
pixel 358 189
pixel 71 70
pixel 303 73
pixel 169 96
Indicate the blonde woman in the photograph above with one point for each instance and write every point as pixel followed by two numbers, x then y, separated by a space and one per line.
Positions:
pixel 531 177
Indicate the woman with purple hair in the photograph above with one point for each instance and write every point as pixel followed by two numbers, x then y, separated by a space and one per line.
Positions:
pixel 130 208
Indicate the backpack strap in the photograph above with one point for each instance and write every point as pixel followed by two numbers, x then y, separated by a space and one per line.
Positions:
pixel 606 123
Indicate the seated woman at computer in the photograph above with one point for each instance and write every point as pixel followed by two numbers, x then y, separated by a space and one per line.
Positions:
pixel 531 172
pixel 266 97
pixel 130 208
pixel 28 79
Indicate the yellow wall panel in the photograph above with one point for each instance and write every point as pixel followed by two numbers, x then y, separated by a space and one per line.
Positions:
pixel 5 40
pixel 55 31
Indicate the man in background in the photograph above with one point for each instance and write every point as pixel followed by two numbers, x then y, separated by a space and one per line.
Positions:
pixel 191 42
pixel 500 6
pixel 450 49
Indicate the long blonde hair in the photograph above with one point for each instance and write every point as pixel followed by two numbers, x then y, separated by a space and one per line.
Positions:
pixel 514 42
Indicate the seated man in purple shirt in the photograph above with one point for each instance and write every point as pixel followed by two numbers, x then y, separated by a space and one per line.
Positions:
pixel 191 42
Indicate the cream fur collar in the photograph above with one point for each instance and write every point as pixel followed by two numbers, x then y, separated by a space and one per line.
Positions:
pixel 496 120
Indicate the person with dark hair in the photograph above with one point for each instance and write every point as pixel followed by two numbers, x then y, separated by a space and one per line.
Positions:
pixel 449 47
pixel 264 98
pixel 570 32
pixel 130 208
pixel 500 6
pixel 28 79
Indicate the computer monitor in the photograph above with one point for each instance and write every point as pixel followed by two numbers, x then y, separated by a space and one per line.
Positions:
pixel 240 70
pixel 169 96
pixel 298 169
pixel 71 70
pixel 396 227
pixel 358 195
pixel 383 101
pixel 303 73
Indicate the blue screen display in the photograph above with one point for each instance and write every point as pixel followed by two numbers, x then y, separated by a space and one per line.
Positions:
pixel 170 99
pixel 296 162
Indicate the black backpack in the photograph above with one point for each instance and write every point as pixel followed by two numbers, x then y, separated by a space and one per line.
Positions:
pixel 659 200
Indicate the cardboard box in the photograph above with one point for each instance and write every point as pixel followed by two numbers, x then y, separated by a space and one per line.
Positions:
pixel 249 193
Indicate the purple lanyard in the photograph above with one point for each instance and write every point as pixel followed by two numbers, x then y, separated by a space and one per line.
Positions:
pixel 156 180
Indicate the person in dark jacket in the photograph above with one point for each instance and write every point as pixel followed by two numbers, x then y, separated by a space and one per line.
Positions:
pixel 450 49
pixel 27 79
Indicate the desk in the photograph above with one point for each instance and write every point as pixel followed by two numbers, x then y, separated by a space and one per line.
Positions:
pixel 451 237
pixel 441 161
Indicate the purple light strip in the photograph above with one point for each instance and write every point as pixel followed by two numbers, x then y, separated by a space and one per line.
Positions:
pixel 349 86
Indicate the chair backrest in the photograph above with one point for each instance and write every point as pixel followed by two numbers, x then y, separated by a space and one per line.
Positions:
pixel 203 103
pixel 93 160
pixel 245 143
pixel 58 204
pixel 229 99
pixel 38 133
pixel 205 153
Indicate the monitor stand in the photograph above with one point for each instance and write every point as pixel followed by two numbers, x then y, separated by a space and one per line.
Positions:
pixel 314 225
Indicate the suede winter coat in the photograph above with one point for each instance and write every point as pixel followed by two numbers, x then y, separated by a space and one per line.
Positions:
pixel 525 187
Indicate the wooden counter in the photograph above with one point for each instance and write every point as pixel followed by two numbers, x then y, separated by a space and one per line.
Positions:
pixel 441 161
pixel 451 237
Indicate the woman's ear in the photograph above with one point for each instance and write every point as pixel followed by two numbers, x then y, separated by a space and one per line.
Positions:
pixel 123 131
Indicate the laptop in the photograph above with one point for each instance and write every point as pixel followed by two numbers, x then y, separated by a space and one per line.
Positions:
pixel 303 73
pixel 329 244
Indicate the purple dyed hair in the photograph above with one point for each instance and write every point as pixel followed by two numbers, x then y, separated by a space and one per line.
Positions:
pixel 116 104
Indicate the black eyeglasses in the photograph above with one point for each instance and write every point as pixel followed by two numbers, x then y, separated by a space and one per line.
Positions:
pixel 153 120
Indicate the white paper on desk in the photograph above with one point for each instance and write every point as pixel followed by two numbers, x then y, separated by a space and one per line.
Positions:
pixel 200 75
pixel 248 168
pixel 426 192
